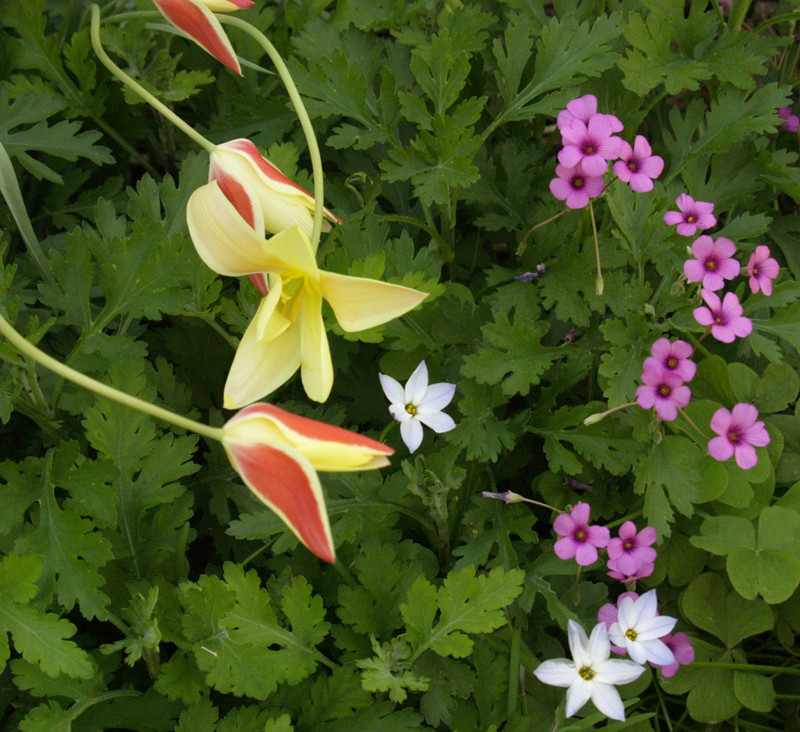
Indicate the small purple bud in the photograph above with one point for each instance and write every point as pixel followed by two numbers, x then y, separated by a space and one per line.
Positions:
pixel 577 486
pixel 507 497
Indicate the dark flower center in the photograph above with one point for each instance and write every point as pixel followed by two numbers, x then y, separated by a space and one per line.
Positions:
pixel 755 270
pixel 411 409
pixel 627 544
pixel 672 362
pixel 589 150
pixel 718 320
pixel 580 535
pixel 577 183
pixel 711 265
pixel 733 437
pixel 664 390
pixel 586 673
pixel 690 219
pixel 632 166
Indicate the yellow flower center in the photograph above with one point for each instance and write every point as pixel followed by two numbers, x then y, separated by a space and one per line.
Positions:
pixel 711 265
pixel 664 390
pixel 411 409
pixel 586 673
pixel 292 286
pixel 580 535
pixel 690 219
pixel 631 634
pixel 672 362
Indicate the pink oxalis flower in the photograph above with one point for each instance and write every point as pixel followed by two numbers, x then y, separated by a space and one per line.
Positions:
pixel 579 539
pixel 675 358
pixel 575 187
pixel 762 269
pixel 642 571
pixel 693 215
pixel 584 108
pixel 638 166
pixel 791 122
pixel 591 145
pixel 632 549
pixel 740 433
pixel 663 390
pixel 724 317
pixel 713 263
pixel 681 647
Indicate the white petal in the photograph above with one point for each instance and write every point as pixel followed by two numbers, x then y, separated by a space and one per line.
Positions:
pixel 398 411
pixel 411 432
pixel 648 607
pixel 616 635
pixel 393 389
pixel 578 642
pixel 658 652
pixel 636 650
pixel 628 614
pixel 607 700
pixel 558 672
pixel 437 397
pixel 617 671
pixel 656 628
pixel 417 385
pixel 437 421
pixel 577 695
pixel 599 645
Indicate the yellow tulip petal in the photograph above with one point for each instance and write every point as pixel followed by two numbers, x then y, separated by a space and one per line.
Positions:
pixel 316 367
pixel 259 367
pixel 293 247
pixel 268 322
pixel 360 303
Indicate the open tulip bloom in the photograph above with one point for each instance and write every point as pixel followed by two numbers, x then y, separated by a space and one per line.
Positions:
pixel 287 332
pixel 244 176
pixel 196 19
pixel 277 455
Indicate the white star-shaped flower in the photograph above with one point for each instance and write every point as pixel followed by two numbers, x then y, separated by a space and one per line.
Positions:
pixel 638 628
pixel 418 404
pixel 590 675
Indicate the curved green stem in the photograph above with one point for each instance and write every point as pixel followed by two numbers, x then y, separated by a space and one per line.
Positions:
pixel 387 430
pixel 138 89
pixel 28 349
pixel 777 670
pixel 619 522
pixel 302 114
pixel 599 283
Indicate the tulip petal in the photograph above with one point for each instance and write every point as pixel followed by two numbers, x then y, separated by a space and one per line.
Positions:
pixel 199 23
pixel 223 239
pixel 316 367
pixel 242 196
pixel 360 303
pixel 259 367
pixel 268 322
pixel 285 481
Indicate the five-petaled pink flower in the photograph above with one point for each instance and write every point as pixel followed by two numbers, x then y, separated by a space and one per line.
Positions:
pixel 724 317
pixel 663 390
pixel 580 540
pixel 638 166
pixel 632 549
pixel 791 122
pixel 584 108
pixel 714 262
pixel 762 269
pixel 693 215
pixel 681 647
pixel 575 187
pixel 740 433
pixel 591 145
pixel 675 358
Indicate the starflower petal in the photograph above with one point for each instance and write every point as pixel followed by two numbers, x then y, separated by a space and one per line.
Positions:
pixel 417 385
pixel 411 432
pixel 608 701
pixel 393 389
pixel 438 421
pixel 579 692
pixel 437 397
pixel 556 672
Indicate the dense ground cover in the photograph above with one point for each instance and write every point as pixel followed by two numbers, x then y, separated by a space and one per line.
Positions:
pixel 599 198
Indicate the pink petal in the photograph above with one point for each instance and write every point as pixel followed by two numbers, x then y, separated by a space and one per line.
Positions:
pixel 694 270
pixel 565 548
pixel 598 536
pixel 585 554
pixel 580 514
pixel 703 316
pixel 744 415
pixel 746 457
pixel 673 217
pixel 641 182
pixel 720 448
pixel 564 525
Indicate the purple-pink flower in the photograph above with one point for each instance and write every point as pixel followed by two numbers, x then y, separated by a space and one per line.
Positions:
pixel 584 108
pixel 693 215
pixel 575 187
pixel 724 317
pixel 579 539
pixel 713 264
pixel 762 269
pixel 681 647
pixel 638 166
pixel 791 122
pixel 632 549
pixel 675 358
pixel 740 433
pixel 642 571
pixel 663 390
pixel 591 145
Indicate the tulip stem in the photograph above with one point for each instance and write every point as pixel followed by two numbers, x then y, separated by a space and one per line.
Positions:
pixel 138 89
pixel 31 351
pixel 302 114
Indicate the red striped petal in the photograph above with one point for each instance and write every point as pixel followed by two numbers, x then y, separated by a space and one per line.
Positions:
pixel 288 485
pixel 235 192
pixel 199 23
pixel 260 281
pixel 311 429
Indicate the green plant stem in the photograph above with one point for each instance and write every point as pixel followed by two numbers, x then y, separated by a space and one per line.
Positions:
pixel 28 349
pixel 599 285
pixel 513 668
pixel 594 418
pixel 739 10
pixel 686 417
pixel 139 90
pixel 524 243
pixel 776 670
pixel 387 430
pixel 619 522
pixel 302 114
